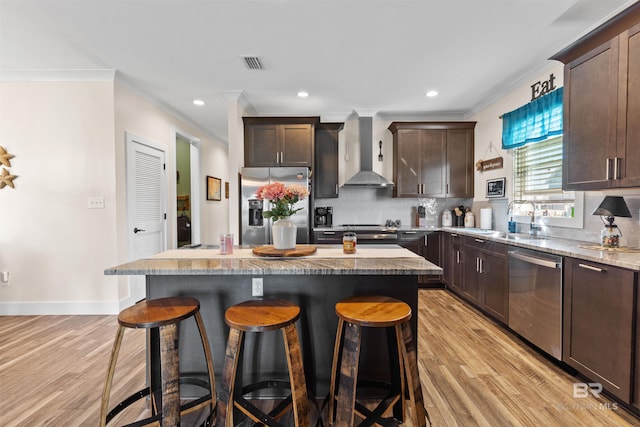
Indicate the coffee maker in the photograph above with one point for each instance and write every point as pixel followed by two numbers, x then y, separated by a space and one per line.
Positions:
pixel 323 217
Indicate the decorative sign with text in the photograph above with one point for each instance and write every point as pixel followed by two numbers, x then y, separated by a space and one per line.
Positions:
pixel 490 164
pixel 542 87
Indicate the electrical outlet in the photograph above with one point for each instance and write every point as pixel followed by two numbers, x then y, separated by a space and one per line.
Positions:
pixel 256 287
pixel 96 202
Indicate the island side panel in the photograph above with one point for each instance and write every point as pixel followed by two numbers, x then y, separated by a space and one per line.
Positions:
pixel 264 353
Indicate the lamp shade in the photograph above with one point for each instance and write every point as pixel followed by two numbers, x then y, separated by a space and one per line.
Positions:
pixel 613 206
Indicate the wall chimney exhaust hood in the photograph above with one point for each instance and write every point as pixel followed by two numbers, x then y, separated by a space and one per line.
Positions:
pixel 366 177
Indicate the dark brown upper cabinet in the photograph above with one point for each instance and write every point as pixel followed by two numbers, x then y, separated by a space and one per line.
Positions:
pixel 602 106
pixel 433 159
pixel 279 141
pixel 326 160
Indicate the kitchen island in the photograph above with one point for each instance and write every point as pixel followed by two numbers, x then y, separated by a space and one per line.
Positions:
pixel 316 283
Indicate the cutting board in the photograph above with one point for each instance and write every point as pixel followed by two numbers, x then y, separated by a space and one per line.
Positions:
pixel 270 251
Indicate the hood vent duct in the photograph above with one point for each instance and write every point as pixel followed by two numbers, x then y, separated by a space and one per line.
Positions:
pixel 367 177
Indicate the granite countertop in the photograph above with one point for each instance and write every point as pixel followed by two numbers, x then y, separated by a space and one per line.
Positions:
pixel 554 245
pixel 328 260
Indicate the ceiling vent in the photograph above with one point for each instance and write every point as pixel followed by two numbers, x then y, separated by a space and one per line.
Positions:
pixel 253 62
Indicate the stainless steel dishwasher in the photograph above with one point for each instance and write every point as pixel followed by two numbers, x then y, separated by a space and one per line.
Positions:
pixel 535 298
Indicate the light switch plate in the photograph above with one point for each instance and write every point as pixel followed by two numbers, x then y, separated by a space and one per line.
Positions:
pixel 96 202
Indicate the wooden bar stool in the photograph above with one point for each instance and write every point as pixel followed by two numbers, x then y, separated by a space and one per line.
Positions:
pixel 164 315
pixel 262 316
pixel 377 312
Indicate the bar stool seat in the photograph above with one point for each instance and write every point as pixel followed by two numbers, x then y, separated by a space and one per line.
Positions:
pixel 164 315
pixel 358 312
pixel 261 316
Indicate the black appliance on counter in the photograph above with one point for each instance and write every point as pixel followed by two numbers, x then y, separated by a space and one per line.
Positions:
pixel 323 217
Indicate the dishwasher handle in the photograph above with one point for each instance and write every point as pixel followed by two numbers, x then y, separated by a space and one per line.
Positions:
pixel 534 260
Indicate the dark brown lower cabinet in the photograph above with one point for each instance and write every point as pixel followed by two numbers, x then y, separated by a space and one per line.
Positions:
pixel 598 336
pixel 452 261
pixel 426 245
pixel 485 282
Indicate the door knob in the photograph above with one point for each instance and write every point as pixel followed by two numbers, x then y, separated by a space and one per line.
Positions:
pixel 137 230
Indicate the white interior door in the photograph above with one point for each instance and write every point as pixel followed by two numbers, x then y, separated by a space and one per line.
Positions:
pixel 146 204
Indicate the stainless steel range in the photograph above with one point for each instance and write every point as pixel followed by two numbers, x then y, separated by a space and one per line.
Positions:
pixel 373 233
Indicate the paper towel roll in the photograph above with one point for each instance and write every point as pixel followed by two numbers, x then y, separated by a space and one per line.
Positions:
pixel 485 218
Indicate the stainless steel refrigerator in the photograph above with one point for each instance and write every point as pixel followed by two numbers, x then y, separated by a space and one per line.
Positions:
pixel 255 230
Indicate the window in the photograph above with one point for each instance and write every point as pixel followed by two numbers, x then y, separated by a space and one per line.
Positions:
pixel 534 132
pixel 537 177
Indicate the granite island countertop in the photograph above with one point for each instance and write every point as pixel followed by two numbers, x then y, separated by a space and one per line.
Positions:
pixel 328 260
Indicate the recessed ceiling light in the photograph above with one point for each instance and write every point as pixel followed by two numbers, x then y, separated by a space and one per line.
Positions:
pixel 198 102
pixel 432 93
pixel 303 94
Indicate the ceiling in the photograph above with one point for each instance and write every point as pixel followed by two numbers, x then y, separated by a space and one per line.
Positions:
pixel 376 56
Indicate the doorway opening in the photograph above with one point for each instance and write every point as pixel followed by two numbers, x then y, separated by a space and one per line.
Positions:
pixel 187 190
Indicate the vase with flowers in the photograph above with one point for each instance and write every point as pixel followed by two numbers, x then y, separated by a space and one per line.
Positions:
pixel 282 201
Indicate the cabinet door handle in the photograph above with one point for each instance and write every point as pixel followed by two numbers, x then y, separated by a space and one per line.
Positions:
pixel 607 171
pixel 481 269
pixel 479 240
pixel 447 189
pixel 282 157
pixel 616 169
pixel 454 235
pixel 426 242
pixel 457 257
pixel 592 268
pixel 477 264
pixel 336 188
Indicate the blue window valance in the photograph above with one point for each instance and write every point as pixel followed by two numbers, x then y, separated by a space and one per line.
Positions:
pixel 536 121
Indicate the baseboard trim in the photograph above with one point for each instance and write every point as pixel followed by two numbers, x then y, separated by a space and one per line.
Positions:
pixel 58 308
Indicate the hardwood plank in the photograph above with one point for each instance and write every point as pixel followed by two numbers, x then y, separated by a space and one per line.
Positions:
pixel 475 372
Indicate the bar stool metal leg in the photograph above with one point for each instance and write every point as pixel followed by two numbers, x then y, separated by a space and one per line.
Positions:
pixel 104 407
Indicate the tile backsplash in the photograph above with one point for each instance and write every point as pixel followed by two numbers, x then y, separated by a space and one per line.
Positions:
pixel 376 206
pixel 592 226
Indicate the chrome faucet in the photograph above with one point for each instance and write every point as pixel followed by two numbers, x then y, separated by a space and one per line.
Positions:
pixel 534 228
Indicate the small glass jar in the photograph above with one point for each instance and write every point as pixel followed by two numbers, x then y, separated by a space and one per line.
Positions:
pixel 223 244
pixel 349 242
pixel 610 236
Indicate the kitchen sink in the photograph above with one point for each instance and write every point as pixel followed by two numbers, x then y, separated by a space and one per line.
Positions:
pixel 510 236
pixel 518 236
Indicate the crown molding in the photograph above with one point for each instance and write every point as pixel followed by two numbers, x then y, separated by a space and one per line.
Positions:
pixel 57 75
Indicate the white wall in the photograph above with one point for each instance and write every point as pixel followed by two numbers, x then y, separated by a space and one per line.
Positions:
pixel 53 246
pixel 69 143
pixel 142 118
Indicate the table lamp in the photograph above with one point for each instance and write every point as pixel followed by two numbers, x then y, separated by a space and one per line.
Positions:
pixel 611 207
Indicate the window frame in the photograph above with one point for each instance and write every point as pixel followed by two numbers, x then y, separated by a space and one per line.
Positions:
pixel 577 221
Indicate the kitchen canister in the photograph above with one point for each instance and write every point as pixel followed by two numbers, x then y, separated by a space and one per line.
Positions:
pixel 469 220
pixel 446 219
pixel 486 218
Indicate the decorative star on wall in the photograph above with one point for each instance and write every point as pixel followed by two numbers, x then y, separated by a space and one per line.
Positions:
pixel 6 179
pixel 5 157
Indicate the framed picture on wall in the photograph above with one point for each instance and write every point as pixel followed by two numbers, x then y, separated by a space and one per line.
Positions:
pixel 226 190
pixel 214 190
pixel 496 187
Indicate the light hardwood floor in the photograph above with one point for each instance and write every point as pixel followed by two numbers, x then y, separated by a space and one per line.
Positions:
pixel 474 373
